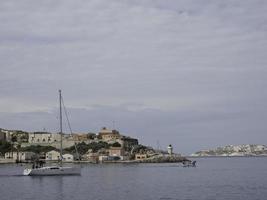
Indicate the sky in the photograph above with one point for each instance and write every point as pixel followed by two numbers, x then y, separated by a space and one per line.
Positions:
pixel 191 73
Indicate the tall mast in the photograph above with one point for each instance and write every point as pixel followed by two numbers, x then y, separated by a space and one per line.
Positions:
pixel 60 121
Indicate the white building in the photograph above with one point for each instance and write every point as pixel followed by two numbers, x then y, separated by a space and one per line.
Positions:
pixel 55 156
pixel 52 155
pixel 68 157
pixel 43 138
pixel 20 156
pixel 50 139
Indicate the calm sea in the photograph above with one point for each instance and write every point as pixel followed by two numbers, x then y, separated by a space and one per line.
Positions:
pixel 213 178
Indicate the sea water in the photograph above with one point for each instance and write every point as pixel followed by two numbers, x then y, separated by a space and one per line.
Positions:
pixel 213 178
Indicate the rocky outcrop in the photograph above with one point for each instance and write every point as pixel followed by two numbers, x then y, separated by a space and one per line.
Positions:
pixel 235 150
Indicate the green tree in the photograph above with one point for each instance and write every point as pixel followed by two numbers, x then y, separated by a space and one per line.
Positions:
pixel 83 147
pixel 5 147
pixel 38 149
pixel 116 144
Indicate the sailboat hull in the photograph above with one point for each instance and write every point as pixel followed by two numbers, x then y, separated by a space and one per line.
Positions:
pixel 52 171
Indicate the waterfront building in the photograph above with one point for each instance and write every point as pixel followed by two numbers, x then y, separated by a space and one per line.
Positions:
pixel 52 155
pixel 92 157
pixel 20 156
pixel 68 157
pixel 102 158
pixel 116 151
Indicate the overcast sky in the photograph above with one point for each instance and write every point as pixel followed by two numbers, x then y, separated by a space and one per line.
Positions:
pixel 188 73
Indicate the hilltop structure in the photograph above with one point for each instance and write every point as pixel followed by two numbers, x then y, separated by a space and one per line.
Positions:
pixel 13 135
pixel 49 139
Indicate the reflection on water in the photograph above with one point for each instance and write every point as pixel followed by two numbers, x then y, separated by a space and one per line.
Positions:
pixel 213 178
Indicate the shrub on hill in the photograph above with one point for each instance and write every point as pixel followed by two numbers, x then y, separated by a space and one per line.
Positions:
pixel 116 144
pixel 83 147
pixel 38 149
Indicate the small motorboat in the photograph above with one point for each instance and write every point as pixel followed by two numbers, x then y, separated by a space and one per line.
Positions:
pixel 189 163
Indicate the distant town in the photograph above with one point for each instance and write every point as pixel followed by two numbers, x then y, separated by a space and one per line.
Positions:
pixel 106 146
pixel 234 151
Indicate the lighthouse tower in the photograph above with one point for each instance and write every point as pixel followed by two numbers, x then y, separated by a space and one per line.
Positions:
pixel 170 149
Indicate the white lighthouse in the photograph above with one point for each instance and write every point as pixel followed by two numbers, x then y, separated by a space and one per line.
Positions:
pixel 170 149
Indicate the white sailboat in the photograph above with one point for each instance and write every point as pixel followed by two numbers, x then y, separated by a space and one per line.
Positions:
pixel 53 170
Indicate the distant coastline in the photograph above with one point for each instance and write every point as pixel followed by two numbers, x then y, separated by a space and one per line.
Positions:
pixel 244 150
pixel 248 156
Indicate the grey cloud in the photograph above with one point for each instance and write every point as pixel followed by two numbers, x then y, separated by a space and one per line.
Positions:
pixel 34 39
pixel 170 56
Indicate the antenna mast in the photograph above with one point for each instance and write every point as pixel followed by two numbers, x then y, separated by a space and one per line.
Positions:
pixel 60 122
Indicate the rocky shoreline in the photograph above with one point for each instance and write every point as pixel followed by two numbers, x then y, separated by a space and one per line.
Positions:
pixel 154 159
